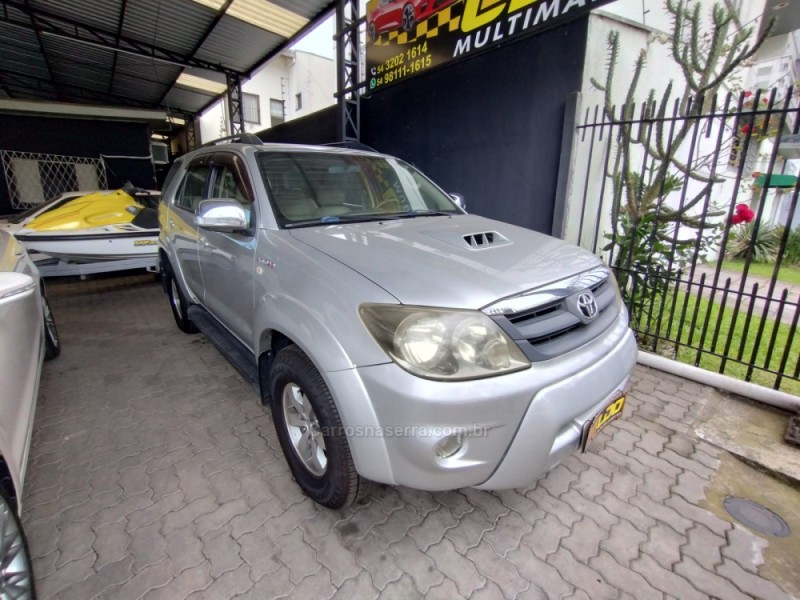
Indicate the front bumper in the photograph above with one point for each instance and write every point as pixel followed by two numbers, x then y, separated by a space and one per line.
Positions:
pixel 515 427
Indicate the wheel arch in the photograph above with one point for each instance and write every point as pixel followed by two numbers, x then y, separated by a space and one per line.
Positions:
pixel 7 483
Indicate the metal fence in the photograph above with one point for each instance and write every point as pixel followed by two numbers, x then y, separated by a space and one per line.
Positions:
pixel 34 178
pixel 694 207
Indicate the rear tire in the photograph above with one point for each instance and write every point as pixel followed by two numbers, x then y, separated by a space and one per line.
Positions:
pixel 52 343
pixel 310 431
pixel 16 570
pixel 178 304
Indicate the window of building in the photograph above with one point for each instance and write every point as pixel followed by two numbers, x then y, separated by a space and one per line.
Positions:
pixel 276 112
pixel 298 101
pixel 251 108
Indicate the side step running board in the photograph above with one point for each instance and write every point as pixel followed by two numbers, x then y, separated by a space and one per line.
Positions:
pixel 231 348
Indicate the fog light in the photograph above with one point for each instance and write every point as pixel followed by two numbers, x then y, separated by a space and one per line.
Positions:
pixel 447 447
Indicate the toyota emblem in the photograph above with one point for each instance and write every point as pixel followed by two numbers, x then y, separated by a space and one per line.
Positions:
pixel 587 305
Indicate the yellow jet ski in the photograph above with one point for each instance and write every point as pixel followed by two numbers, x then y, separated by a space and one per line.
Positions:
pixel 90 227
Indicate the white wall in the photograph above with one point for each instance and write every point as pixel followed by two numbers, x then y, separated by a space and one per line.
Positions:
pixel 288 74
pixel 637 32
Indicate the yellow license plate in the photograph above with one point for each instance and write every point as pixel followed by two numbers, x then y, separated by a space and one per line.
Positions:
pixel 612 411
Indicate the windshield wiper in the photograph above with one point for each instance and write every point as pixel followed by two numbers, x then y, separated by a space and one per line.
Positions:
pixel 338 220
pixel 425 213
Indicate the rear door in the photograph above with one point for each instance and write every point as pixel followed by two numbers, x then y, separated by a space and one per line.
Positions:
pixel 183 234
pixel 227 259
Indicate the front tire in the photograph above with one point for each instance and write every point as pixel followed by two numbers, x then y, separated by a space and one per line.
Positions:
pixel 310 431
pixel 52 343
pixel 178 304
pixel 16 570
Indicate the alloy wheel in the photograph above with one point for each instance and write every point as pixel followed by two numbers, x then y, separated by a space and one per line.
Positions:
pixel 50 322
pixel 304 430
pixel 175 297
pixel 16 581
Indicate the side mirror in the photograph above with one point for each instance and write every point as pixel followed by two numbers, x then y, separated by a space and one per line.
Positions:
pixel 14 285
pixel 221 215
pixel 459 200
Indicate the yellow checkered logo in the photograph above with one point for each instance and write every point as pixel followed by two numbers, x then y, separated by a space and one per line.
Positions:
pixel 447 19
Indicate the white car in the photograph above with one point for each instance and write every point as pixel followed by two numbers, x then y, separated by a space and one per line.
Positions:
pixel 27 337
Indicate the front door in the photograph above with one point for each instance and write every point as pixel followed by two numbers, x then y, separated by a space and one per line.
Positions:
pixel 227 259
pixel 182 230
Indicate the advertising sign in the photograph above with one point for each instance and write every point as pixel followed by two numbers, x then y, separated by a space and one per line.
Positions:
pixel 407 37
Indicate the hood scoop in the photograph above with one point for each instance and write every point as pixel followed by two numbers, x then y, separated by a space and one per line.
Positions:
pixel 471 241
pixel 476 241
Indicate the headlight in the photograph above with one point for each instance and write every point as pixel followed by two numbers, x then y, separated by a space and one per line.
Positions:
pixel 442 344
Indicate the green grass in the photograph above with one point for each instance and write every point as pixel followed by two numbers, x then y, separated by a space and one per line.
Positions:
pixel 787 274
pixel 743 335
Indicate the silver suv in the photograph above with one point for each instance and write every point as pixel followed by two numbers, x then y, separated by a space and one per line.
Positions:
pixel 395 337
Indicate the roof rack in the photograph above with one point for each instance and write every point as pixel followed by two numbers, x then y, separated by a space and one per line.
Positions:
pixel 352 146
pixel 241 138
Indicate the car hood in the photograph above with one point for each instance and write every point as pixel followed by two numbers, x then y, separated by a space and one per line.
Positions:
pixel 463 261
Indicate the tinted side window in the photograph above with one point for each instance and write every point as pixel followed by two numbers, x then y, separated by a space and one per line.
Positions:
pixel 173 171
pixel 193 187
pixel 228 185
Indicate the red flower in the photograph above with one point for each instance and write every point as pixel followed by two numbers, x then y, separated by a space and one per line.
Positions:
pixel 763 99
pixel 756 174
pixel 746 129
pixel 743 214
pixel 748 94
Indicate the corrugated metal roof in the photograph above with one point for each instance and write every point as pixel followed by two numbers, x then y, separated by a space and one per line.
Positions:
pixel 71 50
pixel 186 99
pixel 177 25
pixel 248 49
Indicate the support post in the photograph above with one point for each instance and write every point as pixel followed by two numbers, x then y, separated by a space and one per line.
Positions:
pixel 348 64
pixel 191 133
pixel 235 108
pixel 560 209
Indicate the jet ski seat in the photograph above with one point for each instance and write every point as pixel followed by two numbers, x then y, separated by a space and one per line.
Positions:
pixel 147 218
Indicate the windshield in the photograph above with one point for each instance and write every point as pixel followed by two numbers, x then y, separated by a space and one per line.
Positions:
pixel 314 187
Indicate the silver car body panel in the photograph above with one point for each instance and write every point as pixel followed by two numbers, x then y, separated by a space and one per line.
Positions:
pixel 21 355
pixel 427 271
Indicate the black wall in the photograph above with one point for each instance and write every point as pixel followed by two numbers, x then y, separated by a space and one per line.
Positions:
pixel 80 137
pixel 316 128
pixel 488 127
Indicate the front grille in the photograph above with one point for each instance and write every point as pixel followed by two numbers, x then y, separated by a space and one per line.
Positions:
pixel 555 328
pixel 534 314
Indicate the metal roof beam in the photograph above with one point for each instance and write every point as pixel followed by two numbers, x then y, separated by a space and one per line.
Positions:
pixel 273 53
pixel 120 22
pixel 217 18
pixel 39 84
pixel 46 58
pixel 50 24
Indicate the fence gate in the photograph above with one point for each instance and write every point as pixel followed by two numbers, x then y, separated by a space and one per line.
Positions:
pixel 695 209
pixel 35 178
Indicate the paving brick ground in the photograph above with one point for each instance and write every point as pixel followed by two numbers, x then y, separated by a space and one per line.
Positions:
pixel 156 473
